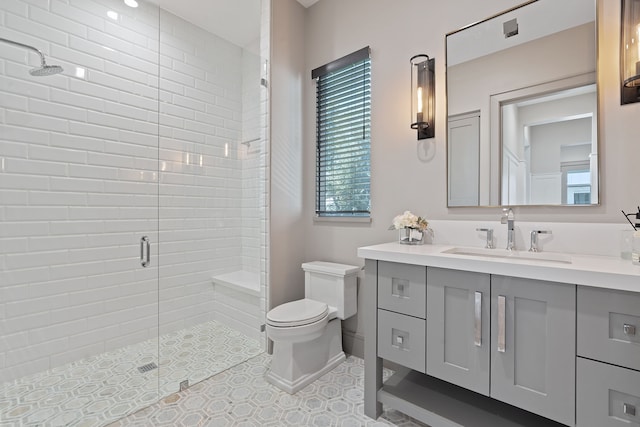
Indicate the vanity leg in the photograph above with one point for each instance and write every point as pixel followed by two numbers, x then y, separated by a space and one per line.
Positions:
pixel 372 363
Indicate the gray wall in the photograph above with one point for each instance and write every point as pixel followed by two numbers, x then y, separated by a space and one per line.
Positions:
pixel 408 174
pixel 286 217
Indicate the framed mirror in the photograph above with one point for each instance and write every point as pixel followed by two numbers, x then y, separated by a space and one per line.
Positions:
pixel 522 107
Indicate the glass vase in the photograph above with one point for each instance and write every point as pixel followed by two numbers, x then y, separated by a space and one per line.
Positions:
pixel 410 236
pixel 635 248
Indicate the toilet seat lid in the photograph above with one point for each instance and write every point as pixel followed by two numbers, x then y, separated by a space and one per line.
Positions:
pixel 297 313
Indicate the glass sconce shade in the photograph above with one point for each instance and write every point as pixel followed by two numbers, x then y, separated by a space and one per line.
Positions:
pixel 630 51
pixel 423 95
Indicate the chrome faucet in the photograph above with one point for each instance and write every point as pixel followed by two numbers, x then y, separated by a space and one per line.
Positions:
pixel 489 231
pixel 509 218
pixel 534 239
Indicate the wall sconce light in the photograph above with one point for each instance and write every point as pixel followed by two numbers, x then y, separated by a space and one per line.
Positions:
pixel 423 95
pixel 630 52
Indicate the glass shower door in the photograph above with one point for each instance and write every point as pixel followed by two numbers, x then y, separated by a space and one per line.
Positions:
pixel 78 211
pixel 212 140
pixel 132 205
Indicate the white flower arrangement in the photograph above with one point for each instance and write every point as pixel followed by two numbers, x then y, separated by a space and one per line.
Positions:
pixel 412 228
pixel 409 220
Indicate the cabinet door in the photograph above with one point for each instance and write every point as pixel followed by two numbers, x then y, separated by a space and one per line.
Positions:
pixel 533 346
pixel 458 327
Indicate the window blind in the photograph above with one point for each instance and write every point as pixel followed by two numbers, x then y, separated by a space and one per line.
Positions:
pixel 343 122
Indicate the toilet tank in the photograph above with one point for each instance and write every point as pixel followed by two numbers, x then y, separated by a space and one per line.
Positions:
pixel 333 284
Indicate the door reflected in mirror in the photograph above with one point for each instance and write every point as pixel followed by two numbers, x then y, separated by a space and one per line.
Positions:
pixel 522 107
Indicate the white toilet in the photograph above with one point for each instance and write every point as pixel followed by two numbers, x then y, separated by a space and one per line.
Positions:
pixel 307 333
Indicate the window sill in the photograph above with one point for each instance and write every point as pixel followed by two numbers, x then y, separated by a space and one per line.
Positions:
pixel 343 219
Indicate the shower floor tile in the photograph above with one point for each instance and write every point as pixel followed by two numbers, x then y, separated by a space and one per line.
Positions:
pixel 100 389
pixel 240 396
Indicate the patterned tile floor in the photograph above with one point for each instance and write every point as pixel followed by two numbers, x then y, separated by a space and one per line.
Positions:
pixel 101 389
pixel 241 396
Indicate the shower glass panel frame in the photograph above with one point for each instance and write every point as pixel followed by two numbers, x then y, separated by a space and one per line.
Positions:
pixel 129 182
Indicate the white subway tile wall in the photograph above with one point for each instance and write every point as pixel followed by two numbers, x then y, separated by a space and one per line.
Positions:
pixel 93 159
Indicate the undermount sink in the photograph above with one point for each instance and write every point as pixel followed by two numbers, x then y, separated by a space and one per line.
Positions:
pixel 514 255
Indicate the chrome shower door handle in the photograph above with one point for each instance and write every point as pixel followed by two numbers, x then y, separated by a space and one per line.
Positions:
pixel 145 251
pixel 501 323
pixel 477 338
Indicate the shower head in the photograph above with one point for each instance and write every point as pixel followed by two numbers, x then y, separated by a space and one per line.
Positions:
pixel 44 69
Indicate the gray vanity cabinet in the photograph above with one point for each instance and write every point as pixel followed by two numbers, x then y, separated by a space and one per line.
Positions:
pixel 533 346
pixel 503 348
pixel 475 346
pixel 458 327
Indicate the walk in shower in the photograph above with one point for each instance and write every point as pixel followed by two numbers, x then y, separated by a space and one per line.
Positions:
pixel 133 201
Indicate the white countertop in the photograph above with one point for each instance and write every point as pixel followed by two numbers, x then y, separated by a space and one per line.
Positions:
pixel 589 270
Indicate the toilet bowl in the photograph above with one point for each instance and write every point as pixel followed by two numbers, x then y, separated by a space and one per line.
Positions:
pixel 298 321
pixel 307 333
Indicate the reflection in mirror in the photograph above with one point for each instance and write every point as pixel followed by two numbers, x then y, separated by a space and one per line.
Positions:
pixel 522 107
pixel 547 143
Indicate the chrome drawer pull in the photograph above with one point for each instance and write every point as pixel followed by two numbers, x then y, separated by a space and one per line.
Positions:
pixel 629 409
pixel 399 288
pixel 400 339
pixel 501 323
pixel 629 329
pixel 478 320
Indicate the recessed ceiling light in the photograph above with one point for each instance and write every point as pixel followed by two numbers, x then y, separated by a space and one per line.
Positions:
pixel 131 3
pixel 113 15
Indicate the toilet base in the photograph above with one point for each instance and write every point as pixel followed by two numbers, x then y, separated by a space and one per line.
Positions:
pixel 296 365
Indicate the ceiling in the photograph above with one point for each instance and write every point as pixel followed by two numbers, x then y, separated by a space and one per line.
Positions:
pixel 237 21
pixel 534 21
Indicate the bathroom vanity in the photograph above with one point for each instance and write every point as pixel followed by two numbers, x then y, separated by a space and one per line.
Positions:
pixel 483 338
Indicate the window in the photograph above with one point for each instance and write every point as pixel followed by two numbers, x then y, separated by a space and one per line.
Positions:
pixel 343 119
pixel 578 187
pixel 576 183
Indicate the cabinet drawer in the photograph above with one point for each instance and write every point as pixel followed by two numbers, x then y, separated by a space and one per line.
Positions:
pixel 609 326
pixel 402 288
pixel 401 339
pixel 607 396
